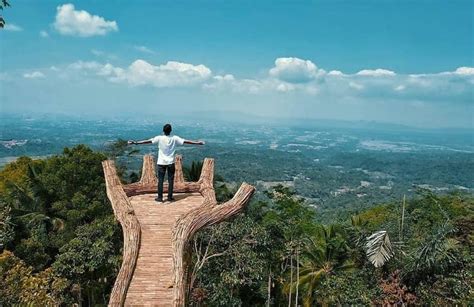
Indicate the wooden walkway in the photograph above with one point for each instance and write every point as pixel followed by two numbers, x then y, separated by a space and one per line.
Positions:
pixel 152 281
pixel 157 235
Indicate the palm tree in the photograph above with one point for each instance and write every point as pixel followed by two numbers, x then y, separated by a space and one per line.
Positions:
pixel 436 255
pixel 322 257
pixel 33 207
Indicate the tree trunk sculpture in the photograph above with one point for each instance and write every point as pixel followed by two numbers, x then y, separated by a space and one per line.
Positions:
pixel 185 227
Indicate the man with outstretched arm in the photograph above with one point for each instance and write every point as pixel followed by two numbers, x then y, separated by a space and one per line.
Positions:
pixel 166 156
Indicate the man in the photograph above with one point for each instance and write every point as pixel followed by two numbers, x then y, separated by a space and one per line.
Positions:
pixel 166 156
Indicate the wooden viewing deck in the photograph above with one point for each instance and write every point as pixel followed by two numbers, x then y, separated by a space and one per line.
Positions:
pixel 157 235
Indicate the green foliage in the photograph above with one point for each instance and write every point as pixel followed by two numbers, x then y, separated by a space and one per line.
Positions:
pixel 437 255
pixel 92 258
pixel 6 225
pixel 54 202
pixel 120 151
pixel 19 285
pixel 193 172
pixel 349 287
pixel 234 277
pixel 119 148
pixel 324 256
pixel 3 4
pixel 223 192
pixel 447 289
pixel 56 219
pixel 333 267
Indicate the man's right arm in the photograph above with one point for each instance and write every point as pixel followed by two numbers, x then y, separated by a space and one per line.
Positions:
pixel 132 142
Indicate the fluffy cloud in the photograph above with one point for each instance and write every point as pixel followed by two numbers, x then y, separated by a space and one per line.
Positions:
pixel 335 73
pixel 144 49
pixel 465 71
pixel 81 23
pixel 33 75
pixel 12 27
pixel 43 34
pixel 452 87
pixel 293 75
pixel 140 72
pixel 294 70
pixel 379 72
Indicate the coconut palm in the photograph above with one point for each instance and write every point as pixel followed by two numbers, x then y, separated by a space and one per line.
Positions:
pixel 322 257
pixel 33 205
pixel 436 255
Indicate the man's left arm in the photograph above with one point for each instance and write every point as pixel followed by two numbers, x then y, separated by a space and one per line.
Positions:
pixel 193 142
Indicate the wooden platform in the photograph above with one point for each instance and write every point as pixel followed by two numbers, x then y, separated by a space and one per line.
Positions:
pixel 152 283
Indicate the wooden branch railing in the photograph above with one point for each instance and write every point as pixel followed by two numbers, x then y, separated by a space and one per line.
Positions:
pixel 124 213
pixel 148 182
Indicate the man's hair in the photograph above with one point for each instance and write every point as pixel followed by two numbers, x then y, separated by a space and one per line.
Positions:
pixel 167 129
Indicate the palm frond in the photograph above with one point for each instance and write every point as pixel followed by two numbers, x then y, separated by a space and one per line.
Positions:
pixel 437 247
pixel 379 248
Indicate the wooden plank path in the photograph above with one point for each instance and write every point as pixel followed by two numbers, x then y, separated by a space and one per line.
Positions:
pixel 157 235
pixel 152 281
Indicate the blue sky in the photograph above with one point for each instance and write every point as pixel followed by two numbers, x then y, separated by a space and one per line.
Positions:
pixel 406 62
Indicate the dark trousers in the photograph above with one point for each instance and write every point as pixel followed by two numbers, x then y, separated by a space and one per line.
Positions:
pixel 161 177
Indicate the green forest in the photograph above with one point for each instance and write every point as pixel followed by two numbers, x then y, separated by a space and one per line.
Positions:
pixel 61 245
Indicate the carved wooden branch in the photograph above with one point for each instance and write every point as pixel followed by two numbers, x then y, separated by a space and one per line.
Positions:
pixel 131 233
pixel 208 214
pixel 148 171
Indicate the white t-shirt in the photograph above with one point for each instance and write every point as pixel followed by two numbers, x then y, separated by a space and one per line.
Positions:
pixel 166 147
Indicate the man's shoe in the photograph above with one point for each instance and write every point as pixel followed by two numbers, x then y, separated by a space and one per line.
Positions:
pixel 171 199
pixel 160 200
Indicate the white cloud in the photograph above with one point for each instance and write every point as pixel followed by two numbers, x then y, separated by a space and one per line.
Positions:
pixel 465 71
pixel 34 75
pixel 81 23
pixel 227 77
pixel 12 27
pixel 140 72
pixel 144 49
pixel 454 87
pixel 376 72
pixel 335 73
pixel 43 34
pixel 294 70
